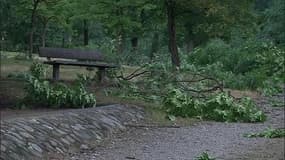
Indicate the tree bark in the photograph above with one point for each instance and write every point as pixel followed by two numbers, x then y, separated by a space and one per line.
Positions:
pixel 172 45
pixel 134 42
pixel 120 43
pixel 45 21
pixel 189 40
pixel 33 16
pixel 44 34
pixel 63 39
pixel 120 31
pixel 85 32
pixel 1 48
pixel 154 45
pixel 189 46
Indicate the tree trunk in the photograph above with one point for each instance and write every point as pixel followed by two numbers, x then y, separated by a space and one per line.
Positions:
pixel 63 40
pixel 170 4
pixel 85 32
pixel 189 40
pixel 120 32
pixel 120 44
pixel 69 39
pixel 45 26
pixel 134 42
pixel 1 49
pixel 44 34
pixel 189 46
pixel 33 16
pixel 154 45
pixel 31 43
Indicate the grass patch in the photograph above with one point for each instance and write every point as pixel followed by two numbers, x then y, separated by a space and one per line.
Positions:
pixel 268 133
pixel 154 114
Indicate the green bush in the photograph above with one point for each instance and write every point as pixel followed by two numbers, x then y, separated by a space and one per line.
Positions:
pixel 42 92
pixel 59 95
pixel 38 70
pixel 212 52
pixel 253 64
pixel 220 107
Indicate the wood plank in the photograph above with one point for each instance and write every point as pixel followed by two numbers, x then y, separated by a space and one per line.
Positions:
pixel 82 63
pixel 101 74
pixel 55 72
pixel 70 53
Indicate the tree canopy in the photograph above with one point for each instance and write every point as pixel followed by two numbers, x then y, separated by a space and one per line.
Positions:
pixel 138 27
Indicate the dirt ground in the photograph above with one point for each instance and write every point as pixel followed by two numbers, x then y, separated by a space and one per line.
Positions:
pixel 224 141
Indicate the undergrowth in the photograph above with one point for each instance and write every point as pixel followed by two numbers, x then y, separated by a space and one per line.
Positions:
pixel 253 64
pixel 188 93
pixel 39 91
pixel 220 107
pixel 268 133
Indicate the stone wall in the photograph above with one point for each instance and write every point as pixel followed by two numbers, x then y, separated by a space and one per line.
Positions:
pixel 59 133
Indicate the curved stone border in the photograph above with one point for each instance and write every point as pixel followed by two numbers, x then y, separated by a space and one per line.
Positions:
pixel 37 137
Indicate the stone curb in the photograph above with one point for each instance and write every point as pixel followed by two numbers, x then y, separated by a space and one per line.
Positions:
pixel 38 137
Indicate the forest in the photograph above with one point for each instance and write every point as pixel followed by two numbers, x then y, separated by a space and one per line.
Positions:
pixel 185 46
pixel 170 52
pixel 145 29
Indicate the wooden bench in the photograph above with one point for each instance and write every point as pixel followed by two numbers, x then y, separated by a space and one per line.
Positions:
pixel 74 57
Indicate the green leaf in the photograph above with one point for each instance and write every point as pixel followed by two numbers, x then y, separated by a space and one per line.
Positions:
pixel 171 117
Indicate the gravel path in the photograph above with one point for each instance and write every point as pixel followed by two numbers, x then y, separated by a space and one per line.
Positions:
pixel 220 140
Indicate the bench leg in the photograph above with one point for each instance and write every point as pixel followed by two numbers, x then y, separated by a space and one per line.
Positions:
pixel 55 72
pixel 101 74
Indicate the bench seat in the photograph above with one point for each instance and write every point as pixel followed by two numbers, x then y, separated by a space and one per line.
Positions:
pixel 74 57
pixel 81 63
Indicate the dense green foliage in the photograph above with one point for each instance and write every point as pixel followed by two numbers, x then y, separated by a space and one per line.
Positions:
pixel 220 107
pixel 188 93
pixel 251 65
pixel 37 70
pixel 137 31
pixel 59 95
pixel 268 133
pixel 273 27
